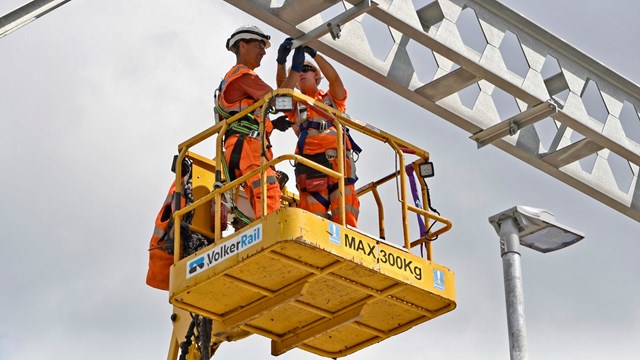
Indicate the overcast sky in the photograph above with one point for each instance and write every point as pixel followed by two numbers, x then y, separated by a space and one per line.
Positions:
pixel 96 96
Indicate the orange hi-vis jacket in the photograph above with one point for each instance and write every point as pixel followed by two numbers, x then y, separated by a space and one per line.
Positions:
pixel 318 141
pixel 231 108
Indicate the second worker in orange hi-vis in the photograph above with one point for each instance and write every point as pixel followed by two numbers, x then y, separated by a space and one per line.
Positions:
pixel 317 141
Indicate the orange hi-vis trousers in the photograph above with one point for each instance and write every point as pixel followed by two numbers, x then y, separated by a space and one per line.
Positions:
pixel 250 160
pixel 351 203
pixel 315 194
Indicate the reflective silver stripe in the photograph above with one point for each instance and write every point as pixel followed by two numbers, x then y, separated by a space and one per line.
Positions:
pixel 270 180
pixel 335 194
pixel 352 209
pixel 158 232
pixel 347 209
pixel 312 200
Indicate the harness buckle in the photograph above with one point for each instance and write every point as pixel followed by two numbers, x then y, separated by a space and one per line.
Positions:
pixel 323 126
pixel 319 125
pixel 254 134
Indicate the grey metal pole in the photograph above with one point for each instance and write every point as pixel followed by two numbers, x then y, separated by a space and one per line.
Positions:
pixel 510 253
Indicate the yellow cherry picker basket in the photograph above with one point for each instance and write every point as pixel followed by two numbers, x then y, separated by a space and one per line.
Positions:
pixel 301 280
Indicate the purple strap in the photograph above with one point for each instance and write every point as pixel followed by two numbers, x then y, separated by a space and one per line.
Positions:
pixel 416 198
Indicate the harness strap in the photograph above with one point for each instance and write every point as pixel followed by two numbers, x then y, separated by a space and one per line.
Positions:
pixel 416 199
pixel 321 199
pixel 321 126
pixel 347 181
pixel 311 173
pixel 234 159
pixel 229 199
pixel 354 146
pixel 301 139
pixel 248 125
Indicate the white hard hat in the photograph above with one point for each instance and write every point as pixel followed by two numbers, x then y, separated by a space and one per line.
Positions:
pixel 248 32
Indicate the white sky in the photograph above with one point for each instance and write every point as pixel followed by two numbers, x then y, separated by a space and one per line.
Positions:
pixel 95 97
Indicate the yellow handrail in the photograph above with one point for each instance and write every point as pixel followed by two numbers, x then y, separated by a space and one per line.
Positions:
pixel 339 120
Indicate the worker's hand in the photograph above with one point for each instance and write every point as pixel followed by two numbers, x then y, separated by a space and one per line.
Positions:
pixel 311 51
pixel 284 50
pixel 282 178
pixel 298 59
pixel 281 123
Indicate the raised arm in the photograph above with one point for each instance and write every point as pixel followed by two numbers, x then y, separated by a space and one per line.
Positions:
pixel 291 79
pixel 283 51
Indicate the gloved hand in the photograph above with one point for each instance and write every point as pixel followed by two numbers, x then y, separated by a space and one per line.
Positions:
pixel 311 51
pixel 281 123
pixel 284 50
pixel 298 59
pixel 282 178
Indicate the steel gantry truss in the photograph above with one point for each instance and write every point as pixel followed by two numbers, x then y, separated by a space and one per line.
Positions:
pixel 546 103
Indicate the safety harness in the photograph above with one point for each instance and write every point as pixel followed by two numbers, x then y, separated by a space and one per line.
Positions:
pixel 245 127
pixel 320 126
pixel 314 179
pixel 311 174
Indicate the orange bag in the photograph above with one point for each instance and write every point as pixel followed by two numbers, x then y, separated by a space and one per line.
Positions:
pixel 161 245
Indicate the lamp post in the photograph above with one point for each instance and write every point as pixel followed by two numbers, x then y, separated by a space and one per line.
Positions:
pixel 536 229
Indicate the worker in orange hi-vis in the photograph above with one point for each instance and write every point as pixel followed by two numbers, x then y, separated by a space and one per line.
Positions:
pixel 241 88
pixel 317 139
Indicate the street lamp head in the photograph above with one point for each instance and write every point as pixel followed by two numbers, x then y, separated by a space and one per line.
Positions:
pixel 537 228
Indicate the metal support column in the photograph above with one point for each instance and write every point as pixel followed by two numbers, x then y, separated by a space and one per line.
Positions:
pixel 510 253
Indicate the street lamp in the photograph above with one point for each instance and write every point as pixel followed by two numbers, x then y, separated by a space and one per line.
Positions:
pixel 536 229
